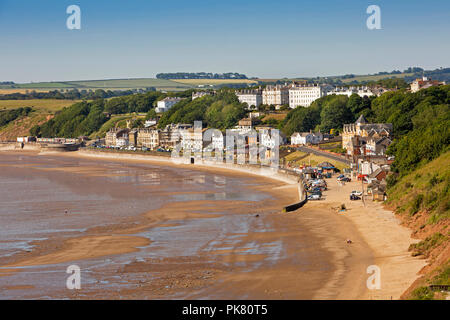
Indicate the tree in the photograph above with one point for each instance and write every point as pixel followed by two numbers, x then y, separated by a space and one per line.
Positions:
pixel 335 114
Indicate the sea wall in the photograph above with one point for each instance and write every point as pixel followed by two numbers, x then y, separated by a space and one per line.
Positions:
pixel 17 146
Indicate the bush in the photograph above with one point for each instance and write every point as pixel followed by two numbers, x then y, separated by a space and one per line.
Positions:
pixel 425 246
pixel 6 116
pixel 416 204
pixel 422 293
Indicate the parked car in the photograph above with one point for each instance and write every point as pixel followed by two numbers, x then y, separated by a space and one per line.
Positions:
pixel 354 197
pixel 357 193
pixel 346 179
pixel 340 177
pixel 314 197
pixel 316 193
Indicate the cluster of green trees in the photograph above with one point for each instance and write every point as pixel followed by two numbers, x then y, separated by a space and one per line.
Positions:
pixel 80 119
pixel 220 111
pixel 140 103
pixel 392 83
pixel 73 94
pixel 422 125
pixel 326 113
pixel 6 116
pixel 132 103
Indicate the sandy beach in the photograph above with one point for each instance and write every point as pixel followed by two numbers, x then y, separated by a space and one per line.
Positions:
pixel 211 244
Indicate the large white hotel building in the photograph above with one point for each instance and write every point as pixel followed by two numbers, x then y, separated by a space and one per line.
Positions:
pixel 275 95
pixel 253 98
pixel 304 95
pixel 295 94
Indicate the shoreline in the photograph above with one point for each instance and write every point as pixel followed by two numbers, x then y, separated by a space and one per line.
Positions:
pixel 349 261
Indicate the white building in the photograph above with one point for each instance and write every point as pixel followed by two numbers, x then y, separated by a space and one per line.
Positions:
pixel 122 141
pixel 244 126
pixel 275 95
pixel 214 140
pixel 304 95
pixel 26 139
pixel 167 103
pixel 360 91
pixel 424 83
pixel 253 98
pixel 150 122
pixel 200 94
pixel 306 138
pixel 192 139
pixel 268 138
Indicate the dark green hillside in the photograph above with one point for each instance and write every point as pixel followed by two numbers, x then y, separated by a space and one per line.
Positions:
pixel 220 111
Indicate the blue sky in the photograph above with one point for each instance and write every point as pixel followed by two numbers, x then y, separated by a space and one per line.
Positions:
pixel 139 38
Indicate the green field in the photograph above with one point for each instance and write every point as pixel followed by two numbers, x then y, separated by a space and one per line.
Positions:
pixel 376 77
pixel 168 85
pixel 111 84
pixel 203 82
pixel 41 105
pixel 358 78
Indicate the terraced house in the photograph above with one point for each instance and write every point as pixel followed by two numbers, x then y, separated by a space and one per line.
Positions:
pixel 149 138
pixel 362 137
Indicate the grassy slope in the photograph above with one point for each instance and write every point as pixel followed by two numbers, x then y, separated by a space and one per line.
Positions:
pixel 425 189
pixel 301 158
pixel 21 127
pixel 276 116
pixel 422 201
pixel 43 110
pixel 111 123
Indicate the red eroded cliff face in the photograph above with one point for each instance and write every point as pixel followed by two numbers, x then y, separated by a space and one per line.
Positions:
pixel 21 127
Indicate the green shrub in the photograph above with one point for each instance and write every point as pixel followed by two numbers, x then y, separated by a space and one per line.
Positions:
pixel 433 181
pixel 416 204
pixel 422 293
pixel 425 246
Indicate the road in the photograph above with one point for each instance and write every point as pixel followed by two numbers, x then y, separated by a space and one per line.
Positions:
pixel 324 154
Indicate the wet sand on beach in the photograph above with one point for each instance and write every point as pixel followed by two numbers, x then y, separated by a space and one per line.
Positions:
pixel 201 240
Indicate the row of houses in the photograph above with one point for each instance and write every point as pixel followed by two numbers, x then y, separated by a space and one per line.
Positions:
pixel 304 138
pixel 168 102
pixel 302 94
pixel 366 139
pixel 190 138
pixel 150 138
